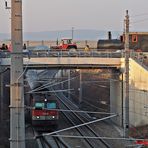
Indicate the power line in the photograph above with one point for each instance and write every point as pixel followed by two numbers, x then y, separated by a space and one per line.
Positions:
pixel 107 138
pixel 141 14
pixel 50 85
pixel 76 111
pixel 80 125
pixel 45 92
pixel 139 21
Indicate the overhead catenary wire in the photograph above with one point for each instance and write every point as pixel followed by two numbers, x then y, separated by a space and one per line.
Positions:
pixel 4 71
pixel 76 111
pixel 80 125
pixel 88 137
pixel 107 138
pixel 131 111
pixel 139 15
pixel 22 74
pixel 139 21
pixel 50 85
pixel 50 91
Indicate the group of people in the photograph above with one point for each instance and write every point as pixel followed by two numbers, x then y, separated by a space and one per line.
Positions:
pixel 4 47
pixel 8 47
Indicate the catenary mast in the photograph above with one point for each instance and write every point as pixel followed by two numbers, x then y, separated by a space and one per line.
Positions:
pixel 17 124
pixel 126 101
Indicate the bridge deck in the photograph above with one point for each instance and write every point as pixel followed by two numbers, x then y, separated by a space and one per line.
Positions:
pixel 38 62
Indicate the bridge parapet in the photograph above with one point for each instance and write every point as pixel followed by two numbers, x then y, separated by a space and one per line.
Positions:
pixel 93 53
pixel 67 62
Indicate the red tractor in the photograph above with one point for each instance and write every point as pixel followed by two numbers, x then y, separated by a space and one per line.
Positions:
pixel 66 45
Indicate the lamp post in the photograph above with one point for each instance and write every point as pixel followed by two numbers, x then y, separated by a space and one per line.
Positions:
pixel 80 95
pixel 72 32
pixel 80 85
pixel 69 84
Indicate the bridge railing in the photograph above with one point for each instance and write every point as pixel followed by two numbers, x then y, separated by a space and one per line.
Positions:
pixel 93 53
pixel 141 58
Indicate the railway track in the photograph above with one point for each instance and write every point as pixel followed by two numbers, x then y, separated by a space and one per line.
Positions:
pixel 44 141
pixel 75 119
pixel 51 142
pixel 81 118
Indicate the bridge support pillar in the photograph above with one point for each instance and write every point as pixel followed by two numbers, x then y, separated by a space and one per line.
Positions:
pixel 116 101
pixel 1 95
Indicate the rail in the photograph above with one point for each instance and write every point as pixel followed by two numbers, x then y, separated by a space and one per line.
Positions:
pixel 80 118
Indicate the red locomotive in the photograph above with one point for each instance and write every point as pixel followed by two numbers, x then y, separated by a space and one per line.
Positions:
pixel 44 114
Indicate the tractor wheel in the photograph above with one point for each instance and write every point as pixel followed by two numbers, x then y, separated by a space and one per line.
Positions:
pixel 73 50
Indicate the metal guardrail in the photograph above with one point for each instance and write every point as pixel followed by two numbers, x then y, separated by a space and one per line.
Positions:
pixel 93 53
pixel 141 58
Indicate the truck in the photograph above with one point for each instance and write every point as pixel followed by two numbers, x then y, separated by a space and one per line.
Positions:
pixel 66 44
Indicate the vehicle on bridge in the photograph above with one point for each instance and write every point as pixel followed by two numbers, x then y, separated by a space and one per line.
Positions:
pixel 137 42
pixel 65 45
pixel 110 45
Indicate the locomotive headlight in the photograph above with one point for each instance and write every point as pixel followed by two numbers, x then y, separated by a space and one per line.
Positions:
pixel 37 117
pixel 53 117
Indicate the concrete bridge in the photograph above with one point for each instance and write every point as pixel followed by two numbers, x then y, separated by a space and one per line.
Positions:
pixel 67 60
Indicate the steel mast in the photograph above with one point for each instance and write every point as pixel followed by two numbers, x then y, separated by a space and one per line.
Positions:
pixel 17 123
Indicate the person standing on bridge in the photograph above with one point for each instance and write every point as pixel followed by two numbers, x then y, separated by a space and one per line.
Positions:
pixel 87 48
pixel 24 46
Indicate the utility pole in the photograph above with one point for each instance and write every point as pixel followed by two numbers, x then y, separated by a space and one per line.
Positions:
pixel 17 123
pixel 72 30
pixel 80 90
pixel 1 96
pixel 69 79
pixel 126 102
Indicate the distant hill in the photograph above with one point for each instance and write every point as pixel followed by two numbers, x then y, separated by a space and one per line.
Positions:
pixel 53 35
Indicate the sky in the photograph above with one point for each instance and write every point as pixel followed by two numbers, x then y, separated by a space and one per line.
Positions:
pixel 51 15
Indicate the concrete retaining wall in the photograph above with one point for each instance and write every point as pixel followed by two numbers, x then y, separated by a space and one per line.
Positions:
pixel 138 95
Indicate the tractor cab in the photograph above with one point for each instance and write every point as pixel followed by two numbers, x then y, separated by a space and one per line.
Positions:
pixel 67 43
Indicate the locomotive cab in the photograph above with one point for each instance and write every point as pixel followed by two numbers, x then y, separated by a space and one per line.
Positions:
pixel 44 113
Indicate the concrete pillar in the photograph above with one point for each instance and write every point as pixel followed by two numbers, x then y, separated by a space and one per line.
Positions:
pixel 62 75
pixel 69 81
pixel 116 101
pixel 27 43
pixel 1 96
pixel 42 43
pixel 80 89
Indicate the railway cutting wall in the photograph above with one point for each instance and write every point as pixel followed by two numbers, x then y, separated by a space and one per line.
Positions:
pixel 138 95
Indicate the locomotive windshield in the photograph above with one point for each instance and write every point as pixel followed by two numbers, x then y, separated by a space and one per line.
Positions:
pixel 39 105
pixel 51 105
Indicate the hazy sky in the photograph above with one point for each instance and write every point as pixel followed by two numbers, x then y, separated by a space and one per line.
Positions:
pixel 47 15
